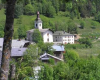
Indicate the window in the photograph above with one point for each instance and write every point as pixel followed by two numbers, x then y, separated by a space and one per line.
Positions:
pixel 69 40
pixel 57 55
pixel 47 34
pixel 40 24
pixel 48 39
pixel 36 25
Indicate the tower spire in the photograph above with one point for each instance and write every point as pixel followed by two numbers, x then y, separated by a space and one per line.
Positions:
pixel 38 22
pixel 38 14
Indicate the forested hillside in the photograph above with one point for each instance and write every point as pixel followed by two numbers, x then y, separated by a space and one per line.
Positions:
pixel 56 15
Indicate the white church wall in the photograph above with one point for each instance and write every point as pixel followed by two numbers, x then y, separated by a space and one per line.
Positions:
pixel 48 36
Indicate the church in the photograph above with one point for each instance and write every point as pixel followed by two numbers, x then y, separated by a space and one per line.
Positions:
pixel 47 34
pixel 50 36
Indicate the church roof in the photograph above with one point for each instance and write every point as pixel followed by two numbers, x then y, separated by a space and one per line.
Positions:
pixel 41 30
pixel 62 33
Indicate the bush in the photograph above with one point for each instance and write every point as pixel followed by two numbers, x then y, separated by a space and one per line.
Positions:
pixel 72 28
pixel 82 25
pixel 85 41
pixel 97 17
pixel 93 25
pixel 74 46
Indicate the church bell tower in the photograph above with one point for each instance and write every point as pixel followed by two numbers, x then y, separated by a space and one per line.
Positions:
pixel 38 22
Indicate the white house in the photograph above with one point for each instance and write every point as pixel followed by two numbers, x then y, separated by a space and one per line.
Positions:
pixel 47 34
pixel 63 37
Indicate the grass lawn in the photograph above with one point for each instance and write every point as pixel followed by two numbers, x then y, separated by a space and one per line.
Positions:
pixel 95 50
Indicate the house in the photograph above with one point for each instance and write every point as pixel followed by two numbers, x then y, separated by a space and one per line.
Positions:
pixel 57 56
pixel 47 34
pixel 63 37
pixel 45 58
pixel 59 50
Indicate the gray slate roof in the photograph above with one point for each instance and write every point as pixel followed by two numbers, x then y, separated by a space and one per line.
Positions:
pixel 58 48
pixel 15 52
pixel 41 30
pixel 15 43
pixel 62 33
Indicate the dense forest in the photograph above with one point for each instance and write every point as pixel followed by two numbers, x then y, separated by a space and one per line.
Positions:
pixel 49 8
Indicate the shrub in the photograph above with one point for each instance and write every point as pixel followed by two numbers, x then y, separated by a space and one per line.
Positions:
pixel 93 25
pixel 82 24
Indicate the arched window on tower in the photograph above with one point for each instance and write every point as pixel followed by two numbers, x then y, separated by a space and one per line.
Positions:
pixel 36 25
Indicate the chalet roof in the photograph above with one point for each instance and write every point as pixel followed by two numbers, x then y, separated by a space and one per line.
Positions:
pixel 15 52
pixel 62 33
pixel 15 43
pixel 46 54
pixel 58 48
pixel 41 30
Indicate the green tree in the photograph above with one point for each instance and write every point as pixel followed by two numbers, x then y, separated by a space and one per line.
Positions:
pixel 72 28
pixel 22 31
pixel 18 10
pixel 36 36
pixel 29 9
pixel 25 64
pixel 46 72
pixel 71 55
pixel 61 70
pixel 46 47
pixel 50 11
pixel 97 17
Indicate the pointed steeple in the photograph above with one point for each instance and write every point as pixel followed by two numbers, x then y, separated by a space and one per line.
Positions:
pixel 38 15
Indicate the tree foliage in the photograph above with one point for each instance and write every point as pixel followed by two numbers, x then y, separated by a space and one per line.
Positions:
pixel 37 37
pixel 21 31
pixel 72 28
pixel 85 41
pixel 24 65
